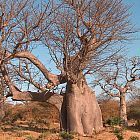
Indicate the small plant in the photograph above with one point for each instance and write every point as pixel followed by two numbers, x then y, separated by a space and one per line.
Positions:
pixel 17 128
pixel 138 124
pixel 66 136
pixel 21 134
pixel 53 130
pixel 43 135
pixel 134 138
pixel 118 133
pixel 29 138
pixel 114 121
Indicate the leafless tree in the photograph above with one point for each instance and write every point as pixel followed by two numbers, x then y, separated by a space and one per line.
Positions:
pixel 80 35
pixel 119 79
pixel 22 25
pixel 2 97
pixel 135 94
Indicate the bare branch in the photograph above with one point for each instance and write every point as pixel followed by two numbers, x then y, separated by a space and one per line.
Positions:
pixel 54 79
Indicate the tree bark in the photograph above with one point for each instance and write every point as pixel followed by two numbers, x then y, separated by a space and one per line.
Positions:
pixel 52 98
pixel 52 78
pixel 123 113
pixel 80 110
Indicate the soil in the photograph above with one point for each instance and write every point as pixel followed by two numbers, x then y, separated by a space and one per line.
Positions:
pixel 26 133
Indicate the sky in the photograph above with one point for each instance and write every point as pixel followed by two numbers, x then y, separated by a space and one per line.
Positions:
pixel 134 46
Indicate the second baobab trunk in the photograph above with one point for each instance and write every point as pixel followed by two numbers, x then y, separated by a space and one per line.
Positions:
pixel 123 112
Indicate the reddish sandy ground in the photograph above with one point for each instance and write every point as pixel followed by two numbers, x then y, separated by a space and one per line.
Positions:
pixel 20 134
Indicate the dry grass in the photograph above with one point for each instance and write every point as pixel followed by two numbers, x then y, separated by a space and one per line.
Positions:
pixel 53 134
pixel 29 127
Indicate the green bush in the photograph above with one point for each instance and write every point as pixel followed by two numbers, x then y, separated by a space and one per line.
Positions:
pixel 134 138
pixel 66 136
pixel 118 133
pixel 113 121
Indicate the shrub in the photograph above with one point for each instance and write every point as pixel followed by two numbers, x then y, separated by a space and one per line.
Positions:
pixel 21 133
pixel 134 138
pixel 66 136
pixel 119 134
pixel 35 114
pixel 30 138
pixel 43 135
pixel 138 124
pixel 114 121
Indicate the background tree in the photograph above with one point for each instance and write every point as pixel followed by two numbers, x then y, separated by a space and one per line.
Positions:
pixel 2 97
pixel 80 44
pixel 119 79
pixel 135 94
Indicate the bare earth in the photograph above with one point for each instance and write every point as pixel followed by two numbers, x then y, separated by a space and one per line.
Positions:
pixel 49 135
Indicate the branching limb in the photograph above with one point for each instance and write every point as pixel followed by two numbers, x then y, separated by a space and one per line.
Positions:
pixel 52 78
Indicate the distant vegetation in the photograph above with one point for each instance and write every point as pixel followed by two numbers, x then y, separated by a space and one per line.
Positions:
pixel 34 114
pixel 44 118
pixel 38 114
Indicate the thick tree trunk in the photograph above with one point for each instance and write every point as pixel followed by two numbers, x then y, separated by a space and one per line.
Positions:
pixel 123 113
pixel 80 110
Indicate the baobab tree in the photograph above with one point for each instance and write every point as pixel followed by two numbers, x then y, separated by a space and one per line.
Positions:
pixel 80 35
pixel 119 79
pixel 2 98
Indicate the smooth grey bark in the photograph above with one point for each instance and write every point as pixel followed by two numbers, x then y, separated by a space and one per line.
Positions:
pixel 52 98
pixel 80 110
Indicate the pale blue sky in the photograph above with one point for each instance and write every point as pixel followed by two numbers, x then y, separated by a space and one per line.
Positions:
pixel 134 46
